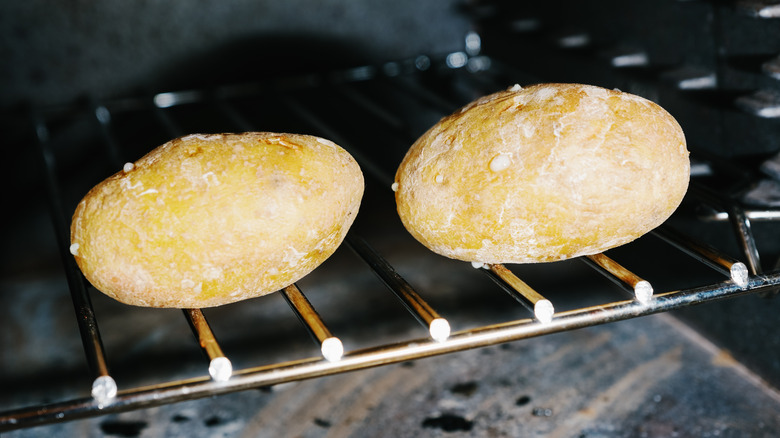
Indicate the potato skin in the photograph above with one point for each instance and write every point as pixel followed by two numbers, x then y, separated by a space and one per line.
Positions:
pixel 543 173
pixel 206 220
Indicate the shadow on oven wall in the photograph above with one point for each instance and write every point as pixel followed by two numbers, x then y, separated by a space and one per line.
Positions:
pixel 60 51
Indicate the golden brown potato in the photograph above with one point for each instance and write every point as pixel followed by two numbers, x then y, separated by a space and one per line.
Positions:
pixel 206 220
pixel 543 173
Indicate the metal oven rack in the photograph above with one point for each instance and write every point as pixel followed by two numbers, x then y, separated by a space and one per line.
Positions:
pixel 437 87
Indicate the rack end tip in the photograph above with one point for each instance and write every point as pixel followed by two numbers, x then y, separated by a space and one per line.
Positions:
pixel 220 369
pixel 439 329
pixel 739 274
pixel 332 349
pixel 643 291
pixel 544 311
pixel 104 389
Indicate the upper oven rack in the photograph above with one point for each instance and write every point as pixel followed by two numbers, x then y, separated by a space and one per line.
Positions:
pixel 413 79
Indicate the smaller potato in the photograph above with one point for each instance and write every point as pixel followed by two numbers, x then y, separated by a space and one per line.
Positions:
pixel 205 220
pixel 542 173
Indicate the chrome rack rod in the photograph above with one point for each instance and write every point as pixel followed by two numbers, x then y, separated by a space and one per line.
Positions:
pixel 326 131
pixel 438 327
pixel 369 105
pixel 103 386
pixel 771 214
pixel 425 95
pixel 640 288
pixel 747 243
pixel 158 109
pixel 171 392
pixel 174 98
pixel 739 222
pixel 331 347
pixel 220 367
pixel 232 114
pixel 541 307
pixel 484 84
pixel 103 117
pixel 734 269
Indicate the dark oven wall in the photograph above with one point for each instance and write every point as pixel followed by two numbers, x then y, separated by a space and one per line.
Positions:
pixel 57 52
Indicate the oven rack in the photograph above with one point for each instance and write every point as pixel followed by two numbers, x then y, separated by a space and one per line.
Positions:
pixel 411 78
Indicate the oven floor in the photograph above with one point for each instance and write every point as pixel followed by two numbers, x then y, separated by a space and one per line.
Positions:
pixel 649 376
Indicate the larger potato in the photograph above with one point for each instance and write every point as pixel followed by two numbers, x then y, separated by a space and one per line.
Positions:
pixel 206 220
pixel 543 173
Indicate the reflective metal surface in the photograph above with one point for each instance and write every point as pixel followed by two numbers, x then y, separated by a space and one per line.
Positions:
pixel 386 354
pixel 303 105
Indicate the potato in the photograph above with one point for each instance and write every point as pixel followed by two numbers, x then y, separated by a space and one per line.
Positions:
pixel 542 173
pixel 205 220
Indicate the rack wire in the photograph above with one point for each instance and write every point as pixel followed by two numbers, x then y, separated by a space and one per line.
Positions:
pixel 106 397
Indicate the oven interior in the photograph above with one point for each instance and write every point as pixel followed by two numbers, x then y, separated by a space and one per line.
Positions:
pixel 698 358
